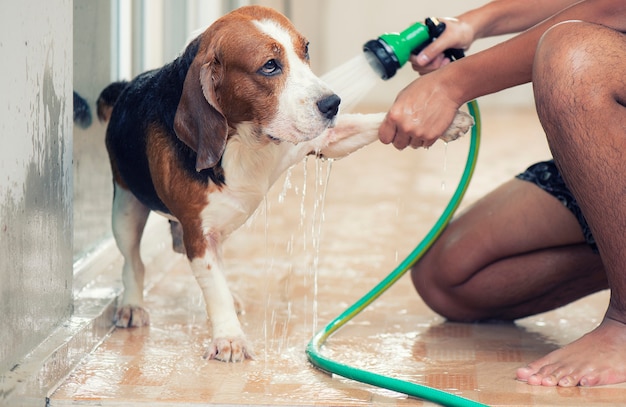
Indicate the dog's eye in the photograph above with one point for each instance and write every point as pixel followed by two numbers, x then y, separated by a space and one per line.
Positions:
pixel 306 51
pixel 270 68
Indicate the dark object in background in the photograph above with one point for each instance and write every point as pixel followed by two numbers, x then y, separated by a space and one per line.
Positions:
pixel 82 112
pixel 107 99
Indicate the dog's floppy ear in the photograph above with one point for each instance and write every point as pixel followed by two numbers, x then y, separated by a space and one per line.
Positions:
pixel 199 121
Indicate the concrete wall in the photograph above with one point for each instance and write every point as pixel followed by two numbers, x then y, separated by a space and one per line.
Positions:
pixel 36 169
pixel 93 66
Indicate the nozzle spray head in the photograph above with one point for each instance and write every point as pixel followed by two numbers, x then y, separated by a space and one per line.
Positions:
pixel 381 58
pixel 391 51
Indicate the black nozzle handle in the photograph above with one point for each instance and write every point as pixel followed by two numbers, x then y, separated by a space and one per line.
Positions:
pixel 435 29
pixel 454 53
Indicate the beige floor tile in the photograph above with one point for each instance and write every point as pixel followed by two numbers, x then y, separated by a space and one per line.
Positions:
pixel 316 245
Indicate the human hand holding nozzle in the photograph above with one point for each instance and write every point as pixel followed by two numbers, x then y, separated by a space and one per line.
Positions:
pixel 416 118
pixel 391 51
pixel 458 35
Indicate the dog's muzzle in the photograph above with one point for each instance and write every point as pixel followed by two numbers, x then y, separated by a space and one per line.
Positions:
pixel 329 106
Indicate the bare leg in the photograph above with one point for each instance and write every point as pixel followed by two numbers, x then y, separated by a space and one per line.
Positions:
pixel 506 275
pixel 581 94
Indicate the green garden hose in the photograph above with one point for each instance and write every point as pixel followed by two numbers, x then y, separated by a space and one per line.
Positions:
pixel 313 349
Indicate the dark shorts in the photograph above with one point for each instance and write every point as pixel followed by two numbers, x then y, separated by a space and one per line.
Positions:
pixel 547 177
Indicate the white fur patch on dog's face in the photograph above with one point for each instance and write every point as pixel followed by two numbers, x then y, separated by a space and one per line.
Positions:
pixel 298 117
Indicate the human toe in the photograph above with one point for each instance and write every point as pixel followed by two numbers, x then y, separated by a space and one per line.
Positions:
pixel 590 380
pixel 559 376
pixel 524 373
pixel 545 376
pixel 568 381
pixel 550 380
pixel 535 379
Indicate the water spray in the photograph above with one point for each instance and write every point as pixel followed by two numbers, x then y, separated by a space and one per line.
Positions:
pixel 391 51
pixel 386 55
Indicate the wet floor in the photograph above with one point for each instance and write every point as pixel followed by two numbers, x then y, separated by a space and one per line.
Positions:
pixel 326 234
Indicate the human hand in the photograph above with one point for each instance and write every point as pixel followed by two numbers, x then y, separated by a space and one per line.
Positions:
pixel 457 34
pixel 421 114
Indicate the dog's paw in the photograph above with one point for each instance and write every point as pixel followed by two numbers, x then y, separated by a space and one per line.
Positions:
pixel 460 125
pixel 229 350
pixel 129 316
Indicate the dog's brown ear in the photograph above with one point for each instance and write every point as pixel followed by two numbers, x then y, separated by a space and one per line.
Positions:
pixel 199 122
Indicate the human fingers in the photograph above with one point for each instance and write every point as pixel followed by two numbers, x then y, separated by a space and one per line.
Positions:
pixel 401 141
pixel 457 35
pixel 390 133
pixel 439 61
pixel 416 143
pixel 405 135
pixel 387 130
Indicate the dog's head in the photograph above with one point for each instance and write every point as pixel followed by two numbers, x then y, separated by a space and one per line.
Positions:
pixel 251 68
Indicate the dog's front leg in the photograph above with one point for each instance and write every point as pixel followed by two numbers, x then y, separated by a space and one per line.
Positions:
pixel 351 132
pixel 354 131
pixel 229 343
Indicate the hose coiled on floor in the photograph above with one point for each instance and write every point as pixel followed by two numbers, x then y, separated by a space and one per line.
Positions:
pixel 313 349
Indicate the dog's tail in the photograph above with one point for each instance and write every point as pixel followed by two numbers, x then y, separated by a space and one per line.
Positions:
pixel 107 99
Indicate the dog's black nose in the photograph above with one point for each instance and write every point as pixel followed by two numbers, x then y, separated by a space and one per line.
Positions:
pixel 329 106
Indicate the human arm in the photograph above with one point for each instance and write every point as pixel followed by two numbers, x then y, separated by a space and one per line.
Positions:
pixel 497 17
pixel 425 108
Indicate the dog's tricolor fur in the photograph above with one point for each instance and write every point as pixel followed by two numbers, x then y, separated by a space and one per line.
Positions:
pixel 201 141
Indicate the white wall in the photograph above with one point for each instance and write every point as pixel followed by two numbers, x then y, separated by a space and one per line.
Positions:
pixel 36 168
pixel 337 30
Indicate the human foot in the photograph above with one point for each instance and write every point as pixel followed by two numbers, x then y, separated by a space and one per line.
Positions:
pixel 598 358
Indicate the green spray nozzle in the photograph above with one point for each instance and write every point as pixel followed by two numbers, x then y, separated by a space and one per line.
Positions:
pixel 405 42
pixel 391 51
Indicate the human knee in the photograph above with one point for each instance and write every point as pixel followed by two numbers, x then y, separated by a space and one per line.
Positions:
pixel 553 59
pixel 435 278
pixel 567 44
pixel 577 68
pixel 569 56
pixel 437 267
pixel 442 299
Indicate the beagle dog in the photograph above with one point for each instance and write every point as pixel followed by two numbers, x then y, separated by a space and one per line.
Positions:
pixel 202 139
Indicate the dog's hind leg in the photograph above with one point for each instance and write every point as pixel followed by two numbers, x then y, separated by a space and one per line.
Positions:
pixel 129 220
pixel 177 237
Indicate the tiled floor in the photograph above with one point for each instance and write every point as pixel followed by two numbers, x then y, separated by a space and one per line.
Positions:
pixel 318 244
